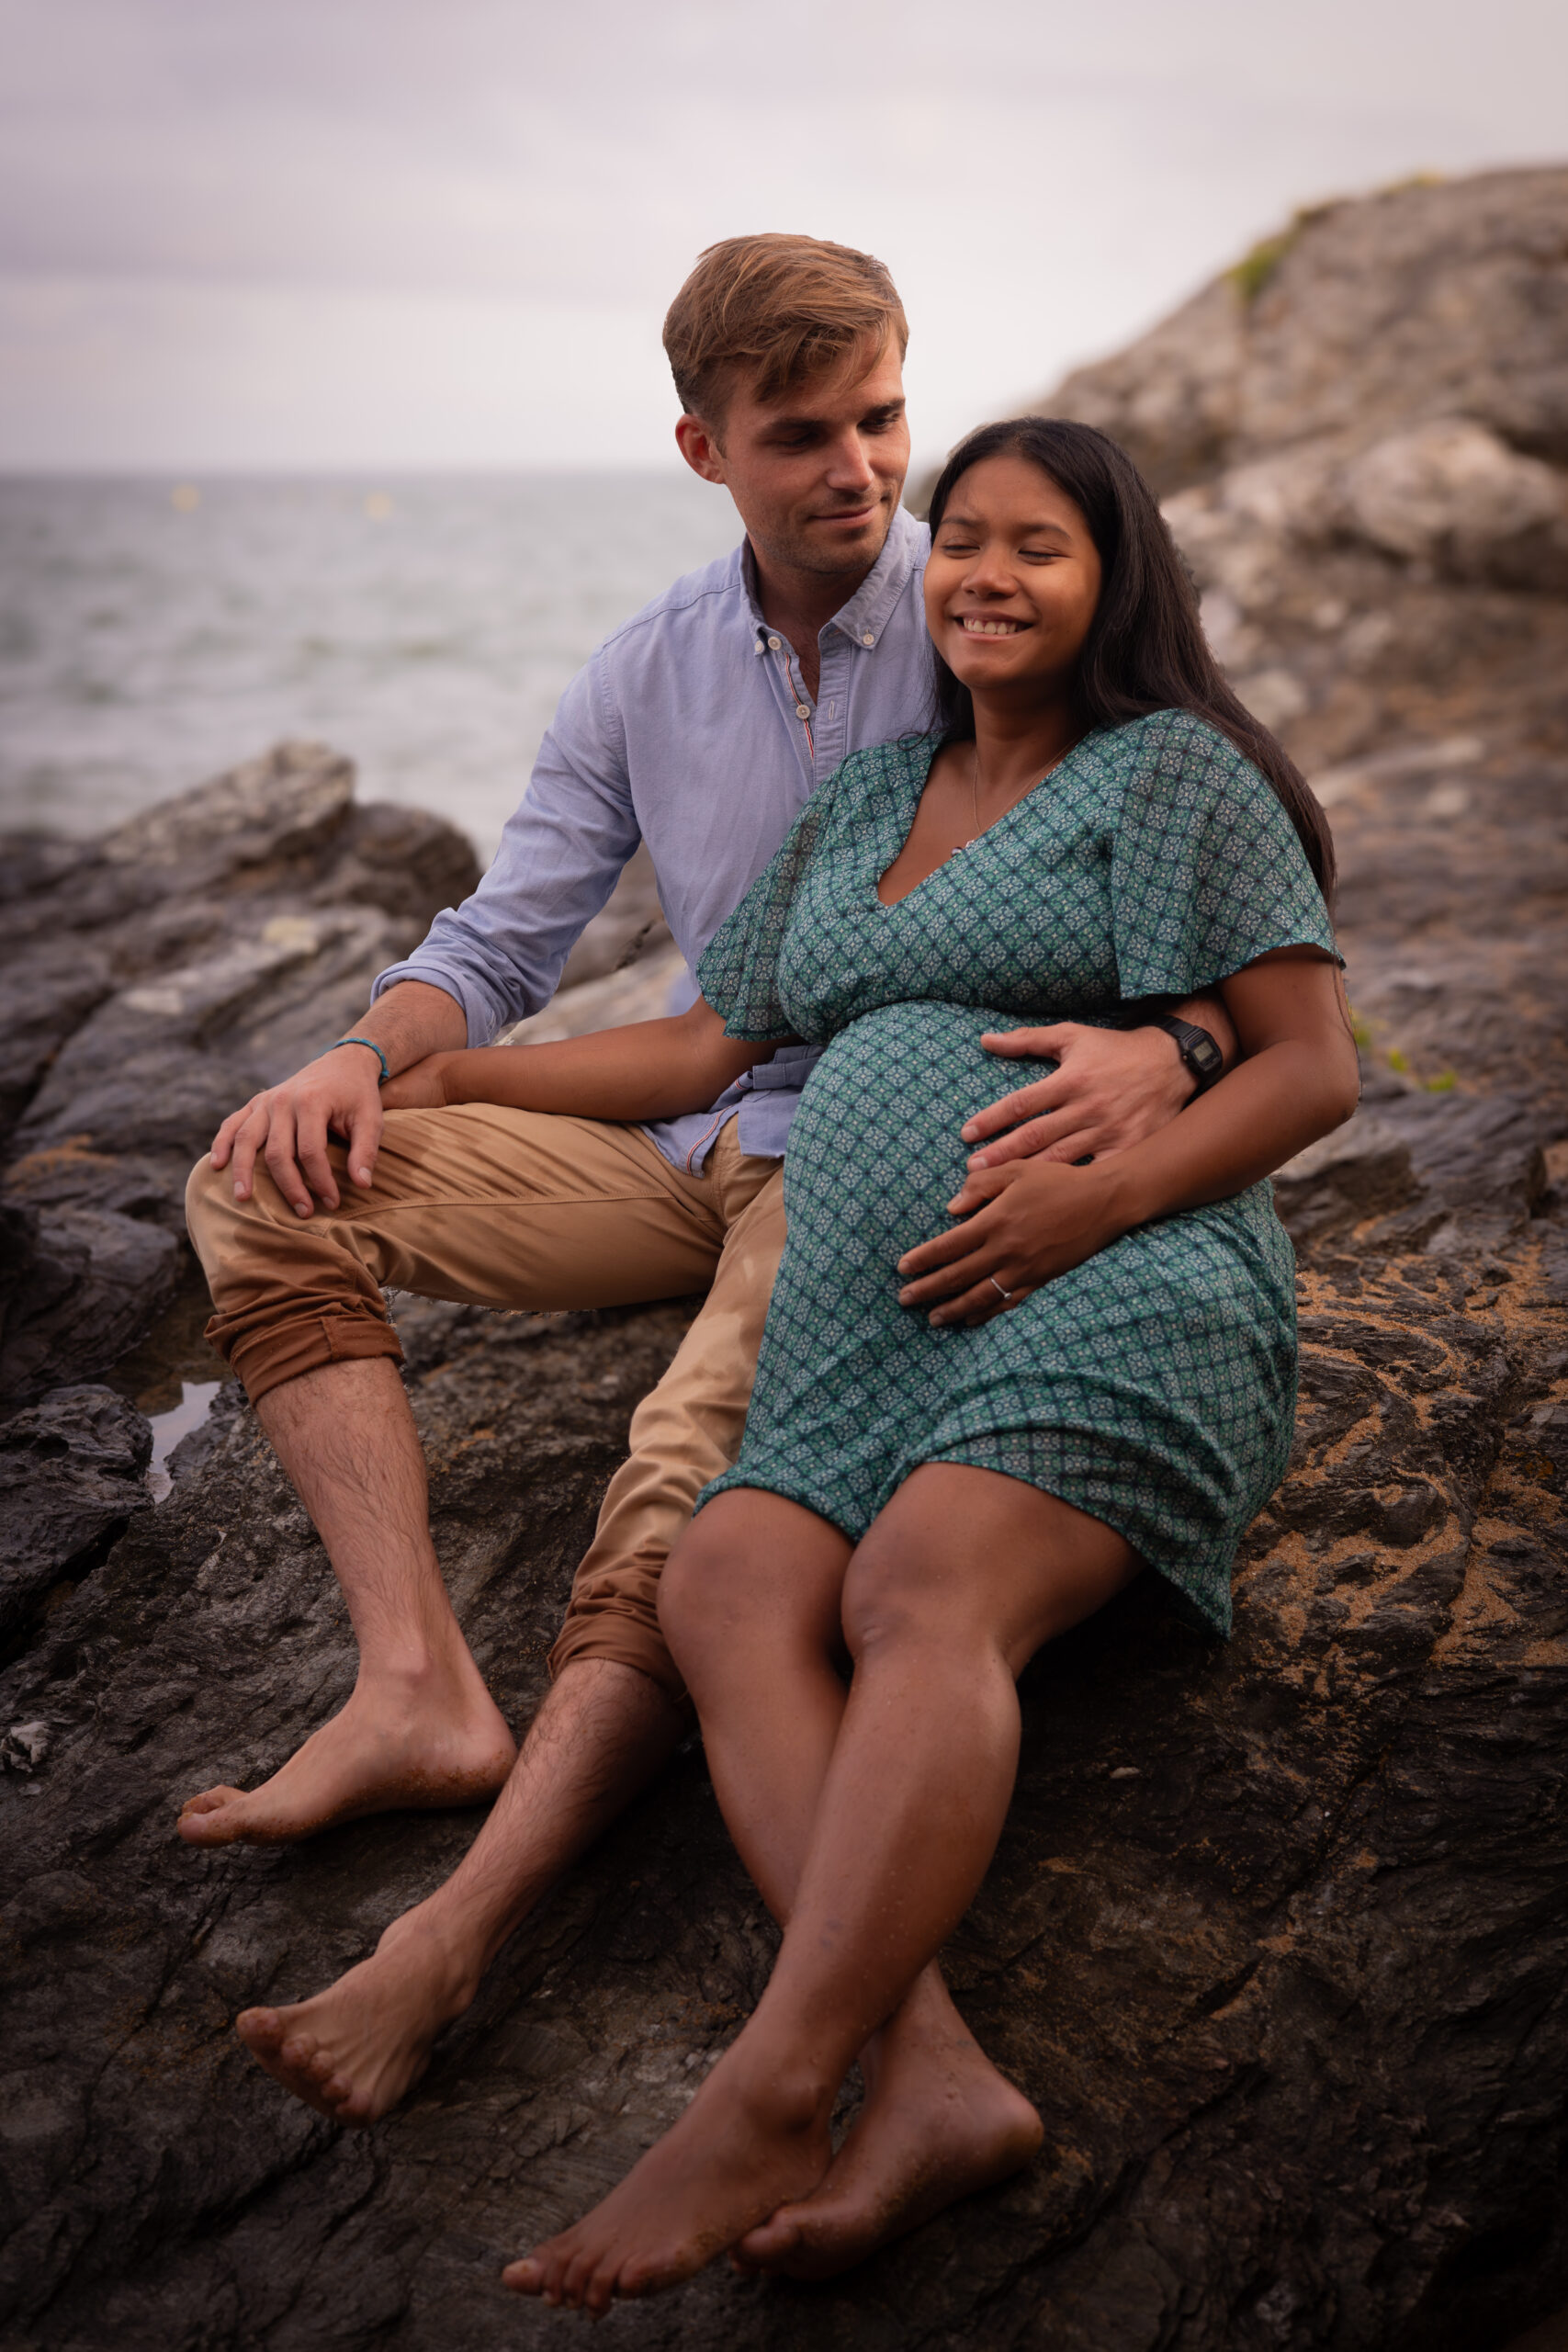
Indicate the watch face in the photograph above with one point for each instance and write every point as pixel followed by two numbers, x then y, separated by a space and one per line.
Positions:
pixel 1205 1054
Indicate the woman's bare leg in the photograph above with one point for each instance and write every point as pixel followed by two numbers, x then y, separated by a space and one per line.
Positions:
pixel 761 1651
pixel 962 1579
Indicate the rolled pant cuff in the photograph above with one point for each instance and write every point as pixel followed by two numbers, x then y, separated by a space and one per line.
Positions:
pixel 625 1641
pixel 264 1360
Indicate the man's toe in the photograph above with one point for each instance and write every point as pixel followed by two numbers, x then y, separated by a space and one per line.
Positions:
pixel 214 1818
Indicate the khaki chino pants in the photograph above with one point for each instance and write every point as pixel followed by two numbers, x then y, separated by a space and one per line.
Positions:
pixel 511 1208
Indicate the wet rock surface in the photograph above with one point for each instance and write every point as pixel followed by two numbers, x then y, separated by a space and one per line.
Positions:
pixel 1277 1935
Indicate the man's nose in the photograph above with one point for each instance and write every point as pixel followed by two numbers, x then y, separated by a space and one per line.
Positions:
pixel 851 469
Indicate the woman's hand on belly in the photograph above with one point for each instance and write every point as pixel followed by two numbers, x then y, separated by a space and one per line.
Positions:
pixel 1021 1225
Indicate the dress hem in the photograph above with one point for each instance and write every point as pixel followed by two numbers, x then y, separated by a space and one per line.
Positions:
pixel 1186 1605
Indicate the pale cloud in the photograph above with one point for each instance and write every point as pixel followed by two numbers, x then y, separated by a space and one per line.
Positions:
pixel 335 231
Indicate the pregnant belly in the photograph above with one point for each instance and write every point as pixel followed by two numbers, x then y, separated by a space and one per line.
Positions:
pixel 876 1141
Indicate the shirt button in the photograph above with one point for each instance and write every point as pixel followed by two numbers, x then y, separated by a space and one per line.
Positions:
pixel 772 645
pixel 803 710
pixel 868 639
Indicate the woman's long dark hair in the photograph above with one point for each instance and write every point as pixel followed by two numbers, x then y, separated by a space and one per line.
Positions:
pixel 1145 649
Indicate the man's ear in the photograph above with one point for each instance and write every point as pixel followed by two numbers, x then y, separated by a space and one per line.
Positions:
pixel 698 443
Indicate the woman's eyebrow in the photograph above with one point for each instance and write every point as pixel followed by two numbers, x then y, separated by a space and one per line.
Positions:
pixel 1030 530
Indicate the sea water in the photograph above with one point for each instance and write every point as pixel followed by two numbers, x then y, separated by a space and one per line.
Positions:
pixel 153 632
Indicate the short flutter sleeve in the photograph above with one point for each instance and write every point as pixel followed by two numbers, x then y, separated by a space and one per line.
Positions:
pixel 1207 872
pixel 737 972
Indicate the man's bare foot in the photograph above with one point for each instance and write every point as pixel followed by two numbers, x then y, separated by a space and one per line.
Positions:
pixel 710 2179
pixel 433 1739
pixel 932 2130
pixel 352 2052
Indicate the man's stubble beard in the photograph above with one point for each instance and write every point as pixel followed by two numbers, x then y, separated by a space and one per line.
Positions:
pixel 794 554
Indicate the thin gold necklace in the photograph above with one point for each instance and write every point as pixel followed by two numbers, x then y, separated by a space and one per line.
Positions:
pixel 975 788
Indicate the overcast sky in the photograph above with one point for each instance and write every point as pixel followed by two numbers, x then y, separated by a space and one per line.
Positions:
pixel 395 234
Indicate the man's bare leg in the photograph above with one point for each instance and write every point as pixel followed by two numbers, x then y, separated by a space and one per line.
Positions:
pixel 352 2052
pixel 421 1728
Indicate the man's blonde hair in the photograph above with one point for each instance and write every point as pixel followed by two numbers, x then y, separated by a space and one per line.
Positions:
pixel 786 307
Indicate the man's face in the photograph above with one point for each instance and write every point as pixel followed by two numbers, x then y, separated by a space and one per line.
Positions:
pixel 817 472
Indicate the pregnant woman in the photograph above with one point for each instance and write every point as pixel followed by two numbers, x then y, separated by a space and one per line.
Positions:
pixel 964 1441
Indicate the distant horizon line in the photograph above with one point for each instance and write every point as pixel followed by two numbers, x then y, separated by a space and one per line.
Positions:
pixel 197 476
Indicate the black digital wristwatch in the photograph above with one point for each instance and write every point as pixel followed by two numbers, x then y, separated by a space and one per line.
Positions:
pixel 1197 1048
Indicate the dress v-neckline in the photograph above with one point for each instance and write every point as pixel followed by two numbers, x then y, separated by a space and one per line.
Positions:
pixel 963 848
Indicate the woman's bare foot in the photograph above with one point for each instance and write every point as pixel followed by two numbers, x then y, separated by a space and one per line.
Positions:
pixel 929 2134
pixel 352 2052
pixel 710 2179
pixel 408 1742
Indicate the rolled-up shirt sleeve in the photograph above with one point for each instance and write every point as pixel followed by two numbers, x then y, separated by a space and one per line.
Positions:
pixel 500 953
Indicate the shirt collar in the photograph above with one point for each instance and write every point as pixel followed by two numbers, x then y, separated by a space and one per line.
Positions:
pixel 870 610
pixel 866 615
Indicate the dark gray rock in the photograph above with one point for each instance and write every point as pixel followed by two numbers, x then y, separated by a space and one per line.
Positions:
pixel 94 1283
pixel 42 1000
pixel 1362 1171
pixel 259 816
pixel 73 1470
pixel 1275 1936
pixel 1431 301
pixel 151 982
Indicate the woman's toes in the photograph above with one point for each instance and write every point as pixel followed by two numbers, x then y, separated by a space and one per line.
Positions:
pixel 578 2275
pixel 524 2277
pixel 600 2292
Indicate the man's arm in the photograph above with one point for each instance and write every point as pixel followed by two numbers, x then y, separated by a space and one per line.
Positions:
pixel 492 960
pixel 1113 1088
pixel 561 852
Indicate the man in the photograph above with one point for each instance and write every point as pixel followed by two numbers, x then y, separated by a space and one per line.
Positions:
pixel 700 726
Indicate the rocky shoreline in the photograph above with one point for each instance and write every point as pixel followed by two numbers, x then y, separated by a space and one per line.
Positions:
pixel 1277 1935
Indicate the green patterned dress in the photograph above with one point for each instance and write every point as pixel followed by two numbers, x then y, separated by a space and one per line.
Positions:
pixel 1154 1386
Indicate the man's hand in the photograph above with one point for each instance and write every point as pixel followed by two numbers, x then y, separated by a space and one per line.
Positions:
pixel 287 1126
pixel 1113 1087
pixel 340 1090
pixel 1023 1225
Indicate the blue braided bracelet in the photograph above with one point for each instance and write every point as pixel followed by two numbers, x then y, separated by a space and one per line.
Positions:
pixel 385 1067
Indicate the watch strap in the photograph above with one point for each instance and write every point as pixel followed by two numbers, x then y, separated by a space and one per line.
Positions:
pixel 1198 1048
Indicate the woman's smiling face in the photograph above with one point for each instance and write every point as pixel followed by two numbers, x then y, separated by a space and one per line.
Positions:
pixel 1013 580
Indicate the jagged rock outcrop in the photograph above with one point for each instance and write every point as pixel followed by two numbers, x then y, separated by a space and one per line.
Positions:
pixel 148 983
pixel 1276 1936
pixel 1363 317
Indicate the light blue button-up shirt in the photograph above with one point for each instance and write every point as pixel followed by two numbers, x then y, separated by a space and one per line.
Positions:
pixel 689 728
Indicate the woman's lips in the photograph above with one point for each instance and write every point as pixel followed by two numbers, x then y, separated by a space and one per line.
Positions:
pixel 980 624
